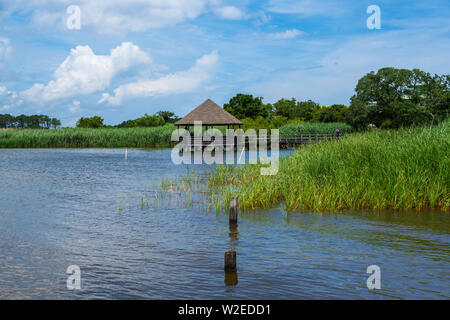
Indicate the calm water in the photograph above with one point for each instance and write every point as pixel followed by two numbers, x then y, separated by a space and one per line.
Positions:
pixel 60 208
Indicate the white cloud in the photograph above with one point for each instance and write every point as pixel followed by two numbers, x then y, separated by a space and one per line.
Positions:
pixel 83 72
pixel 8 99
pixel 288 34
pixel 75 107
pixel 118 16
pixel 229 12
pixel 336 72
pixel 139 15
pixel 175 83
pixel 308 7
pixel 5 50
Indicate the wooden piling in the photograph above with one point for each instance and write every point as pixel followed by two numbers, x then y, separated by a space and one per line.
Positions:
pixel 230 261
pixel 233 210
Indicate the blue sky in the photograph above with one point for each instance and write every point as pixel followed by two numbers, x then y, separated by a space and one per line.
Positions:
pixel 141 56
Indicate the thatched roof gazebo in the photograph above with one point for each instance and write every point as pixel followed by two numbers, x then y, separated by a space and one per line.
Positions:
pixel 210 114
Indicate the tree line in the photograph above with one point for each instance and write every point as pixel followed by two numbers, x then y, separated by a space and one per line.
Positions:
pixel 37 121
pixel 390 98
pixel 158 119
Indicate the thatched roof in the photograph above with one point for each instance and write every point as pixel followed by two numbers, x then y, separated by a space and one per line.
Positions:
pixel 209 113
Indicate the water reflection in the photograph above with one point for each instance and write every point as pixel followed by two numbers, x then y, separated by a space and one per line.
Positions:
pixel 231 278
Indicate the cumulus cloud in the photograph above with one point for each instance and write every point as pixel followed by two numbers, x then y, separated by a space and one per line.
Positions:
pixel 75 107
pixel 8 99
pixel 118 16
pixel 288 34
pixel 229 12
pixel 83 72
pixel 175 83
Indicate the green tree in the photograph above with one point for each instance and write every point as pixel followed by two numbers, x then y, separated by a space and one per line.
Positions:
pixel 399 97
pixel 292 109
pixel 357 115
pixel 7 121
pixel 246 106
pixel 22 121
pixel 55 123
pixel 335 113
pixel 148 121
pixel 93 122
pixel 305 110
pixel 285 108
pixel 168 116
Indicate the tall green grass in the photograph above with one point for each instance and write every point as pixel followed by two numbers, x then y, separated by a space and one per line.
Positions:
pixel 404 169
pixel 315 127
pixel 88 138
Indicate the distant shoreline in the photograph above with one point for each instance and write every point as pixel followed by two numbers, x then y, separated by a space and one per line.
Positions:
pixel 152 137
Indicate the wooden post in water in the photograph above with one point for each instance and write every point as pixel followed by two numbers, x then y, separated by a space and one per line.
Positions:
pixel 233 210
pixel 230 261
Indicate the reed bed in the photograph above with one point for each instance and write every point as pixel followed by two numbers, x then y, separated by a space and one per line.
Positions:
pixel 403 169
pixel 186 191
pixel 315 127
pixel 88 138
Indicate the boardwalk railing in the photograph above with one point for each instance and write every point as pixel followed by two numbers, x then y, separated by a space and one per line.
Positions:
pixel 284 140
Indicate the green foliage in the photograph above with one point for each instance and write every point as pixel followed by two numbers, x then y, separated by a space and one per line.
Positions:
pixel 167 116
pixel 335 113
pixel 256 124
pixel 293 109
pixel 34 121
pixel 158 119
pixel 268 124
pixel 381 169
pixel 286 108
pixel 404 97
pixel 93 122
pixel 312 127
pixel 146 121
pixel 284 112
pixel 246 106
pixel 88 138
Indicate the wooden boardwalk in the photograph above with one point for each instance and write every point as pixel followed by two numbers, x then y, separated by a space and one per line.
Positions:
pixel 285 141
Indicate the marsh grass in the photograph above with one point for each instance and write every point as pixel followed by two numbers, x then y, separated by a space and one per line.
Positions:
pixel 88 138
pixel 186 191
pixel 404 169
pixel 315 128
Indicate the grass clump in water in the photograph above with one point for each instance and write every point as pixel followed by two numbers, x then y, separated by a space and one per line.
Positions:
pixel 403 169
